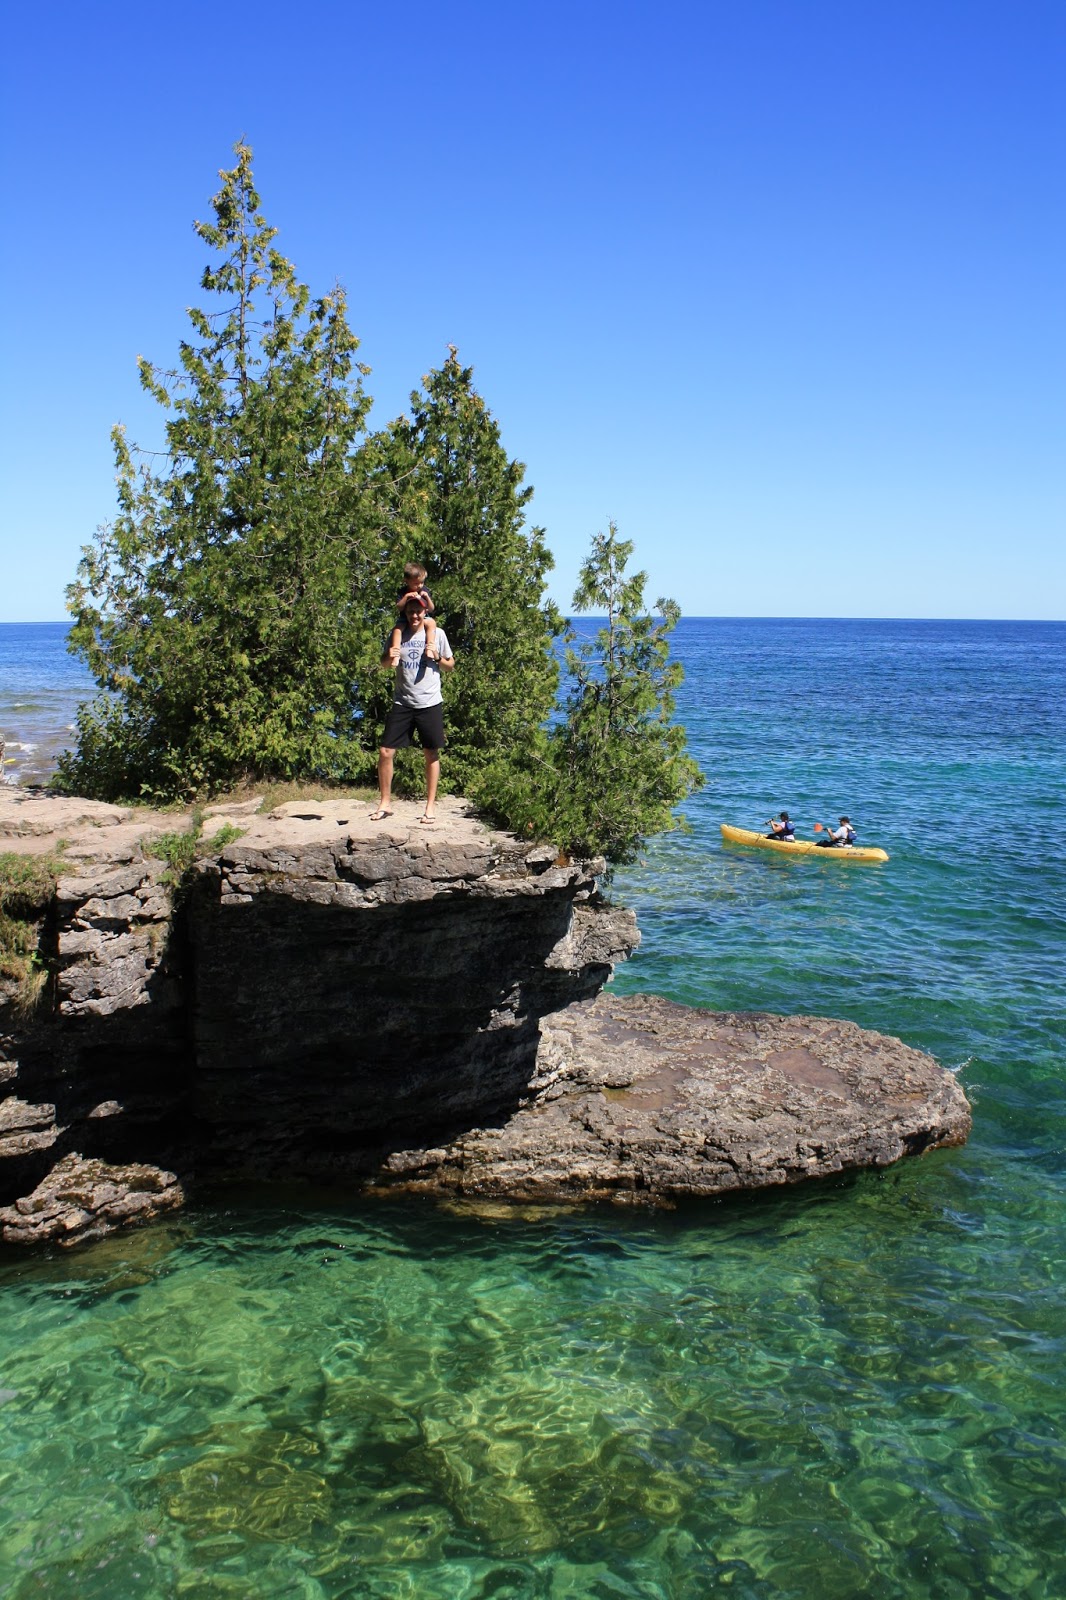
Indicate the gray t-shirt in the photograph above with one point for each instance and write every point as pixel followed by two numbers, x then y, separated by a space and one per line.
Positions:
pixel 418 680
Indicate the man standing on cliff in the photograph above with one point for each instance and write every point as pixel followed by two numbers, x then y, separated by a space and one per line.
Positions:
pixel 417 704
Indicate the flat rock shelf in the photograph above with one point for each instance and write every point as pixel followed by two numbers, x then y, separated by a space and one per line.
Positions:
pixel 640 1099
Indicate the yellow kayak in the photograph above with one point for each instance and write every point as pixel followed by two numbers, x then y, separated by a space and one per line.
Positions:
pixel 803 847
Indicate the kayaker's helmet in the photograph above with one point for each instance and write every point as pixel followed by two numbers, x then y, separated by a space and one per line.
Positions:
pixel 845 819
pixel 784 816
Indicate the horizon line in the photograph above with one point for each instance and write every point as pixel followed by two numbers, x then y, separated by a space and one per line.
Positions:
pixel 686 616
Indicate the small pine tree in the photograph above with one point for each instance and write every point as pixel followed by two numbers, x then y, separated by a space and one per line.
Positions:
pixel 215 611
pixel 618 751
pixel 612 768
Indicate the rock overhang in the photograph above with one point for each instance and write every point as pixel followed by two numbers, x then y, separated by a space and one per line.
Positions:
pixel 400 1008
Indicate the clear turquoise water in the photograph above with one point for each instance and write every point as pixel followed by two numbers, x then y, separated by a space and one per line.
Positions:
pixel 840 1391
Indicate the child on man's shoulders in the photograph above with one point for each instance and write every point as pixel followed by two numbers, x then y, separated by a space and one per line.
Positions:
pixel 414 583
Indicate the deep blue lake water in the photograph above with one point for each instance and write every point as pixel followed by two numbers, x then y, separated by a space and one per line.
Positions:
pixel 848 1390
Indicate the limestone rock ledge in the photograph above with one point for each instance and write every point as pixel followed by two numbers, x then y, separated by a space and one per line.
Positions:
pixel 81 1200
pixel 322 991
pixel 400 1009
pixel 638 1099
pixel 351 991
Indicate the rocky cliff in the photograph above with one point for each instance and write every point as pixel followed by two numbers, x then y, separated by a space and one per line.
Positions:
pixel 402 1007
pixel 321 991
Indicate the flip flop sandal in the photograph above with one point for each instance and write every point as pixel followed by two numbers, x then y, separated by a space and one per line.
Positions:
pixel 378 816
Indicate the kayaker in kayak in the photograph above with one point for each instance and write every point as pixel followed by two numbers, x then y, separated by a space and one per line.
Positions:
pixel 839 838
pixel 783 830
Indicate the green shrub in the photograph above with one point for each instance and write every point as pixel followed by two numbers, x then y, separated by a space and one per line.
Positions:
pixel 227 834
pixel 27 886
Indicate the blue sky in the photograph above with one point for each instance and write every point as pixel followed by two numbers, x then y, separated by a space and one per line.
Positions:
pixel 777 286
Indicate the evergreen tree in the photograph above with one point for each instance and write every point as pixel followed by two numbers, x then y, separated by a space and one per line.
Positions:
pixel 216 612
pixel 612 768
pixel 620 756
pixel 458 503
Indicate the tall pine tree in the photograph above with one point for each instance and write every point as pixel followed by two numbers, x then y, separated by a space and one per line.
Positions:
pixel 219 612
pixel 459 504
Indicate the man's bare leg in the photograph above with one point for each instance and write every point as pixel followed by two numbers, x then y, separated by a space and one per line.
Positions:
pixel 432 776
pixel 385 766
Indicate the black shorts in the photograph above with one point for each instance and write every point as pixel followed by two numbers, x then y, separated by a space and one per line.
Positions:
pixel 402 720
